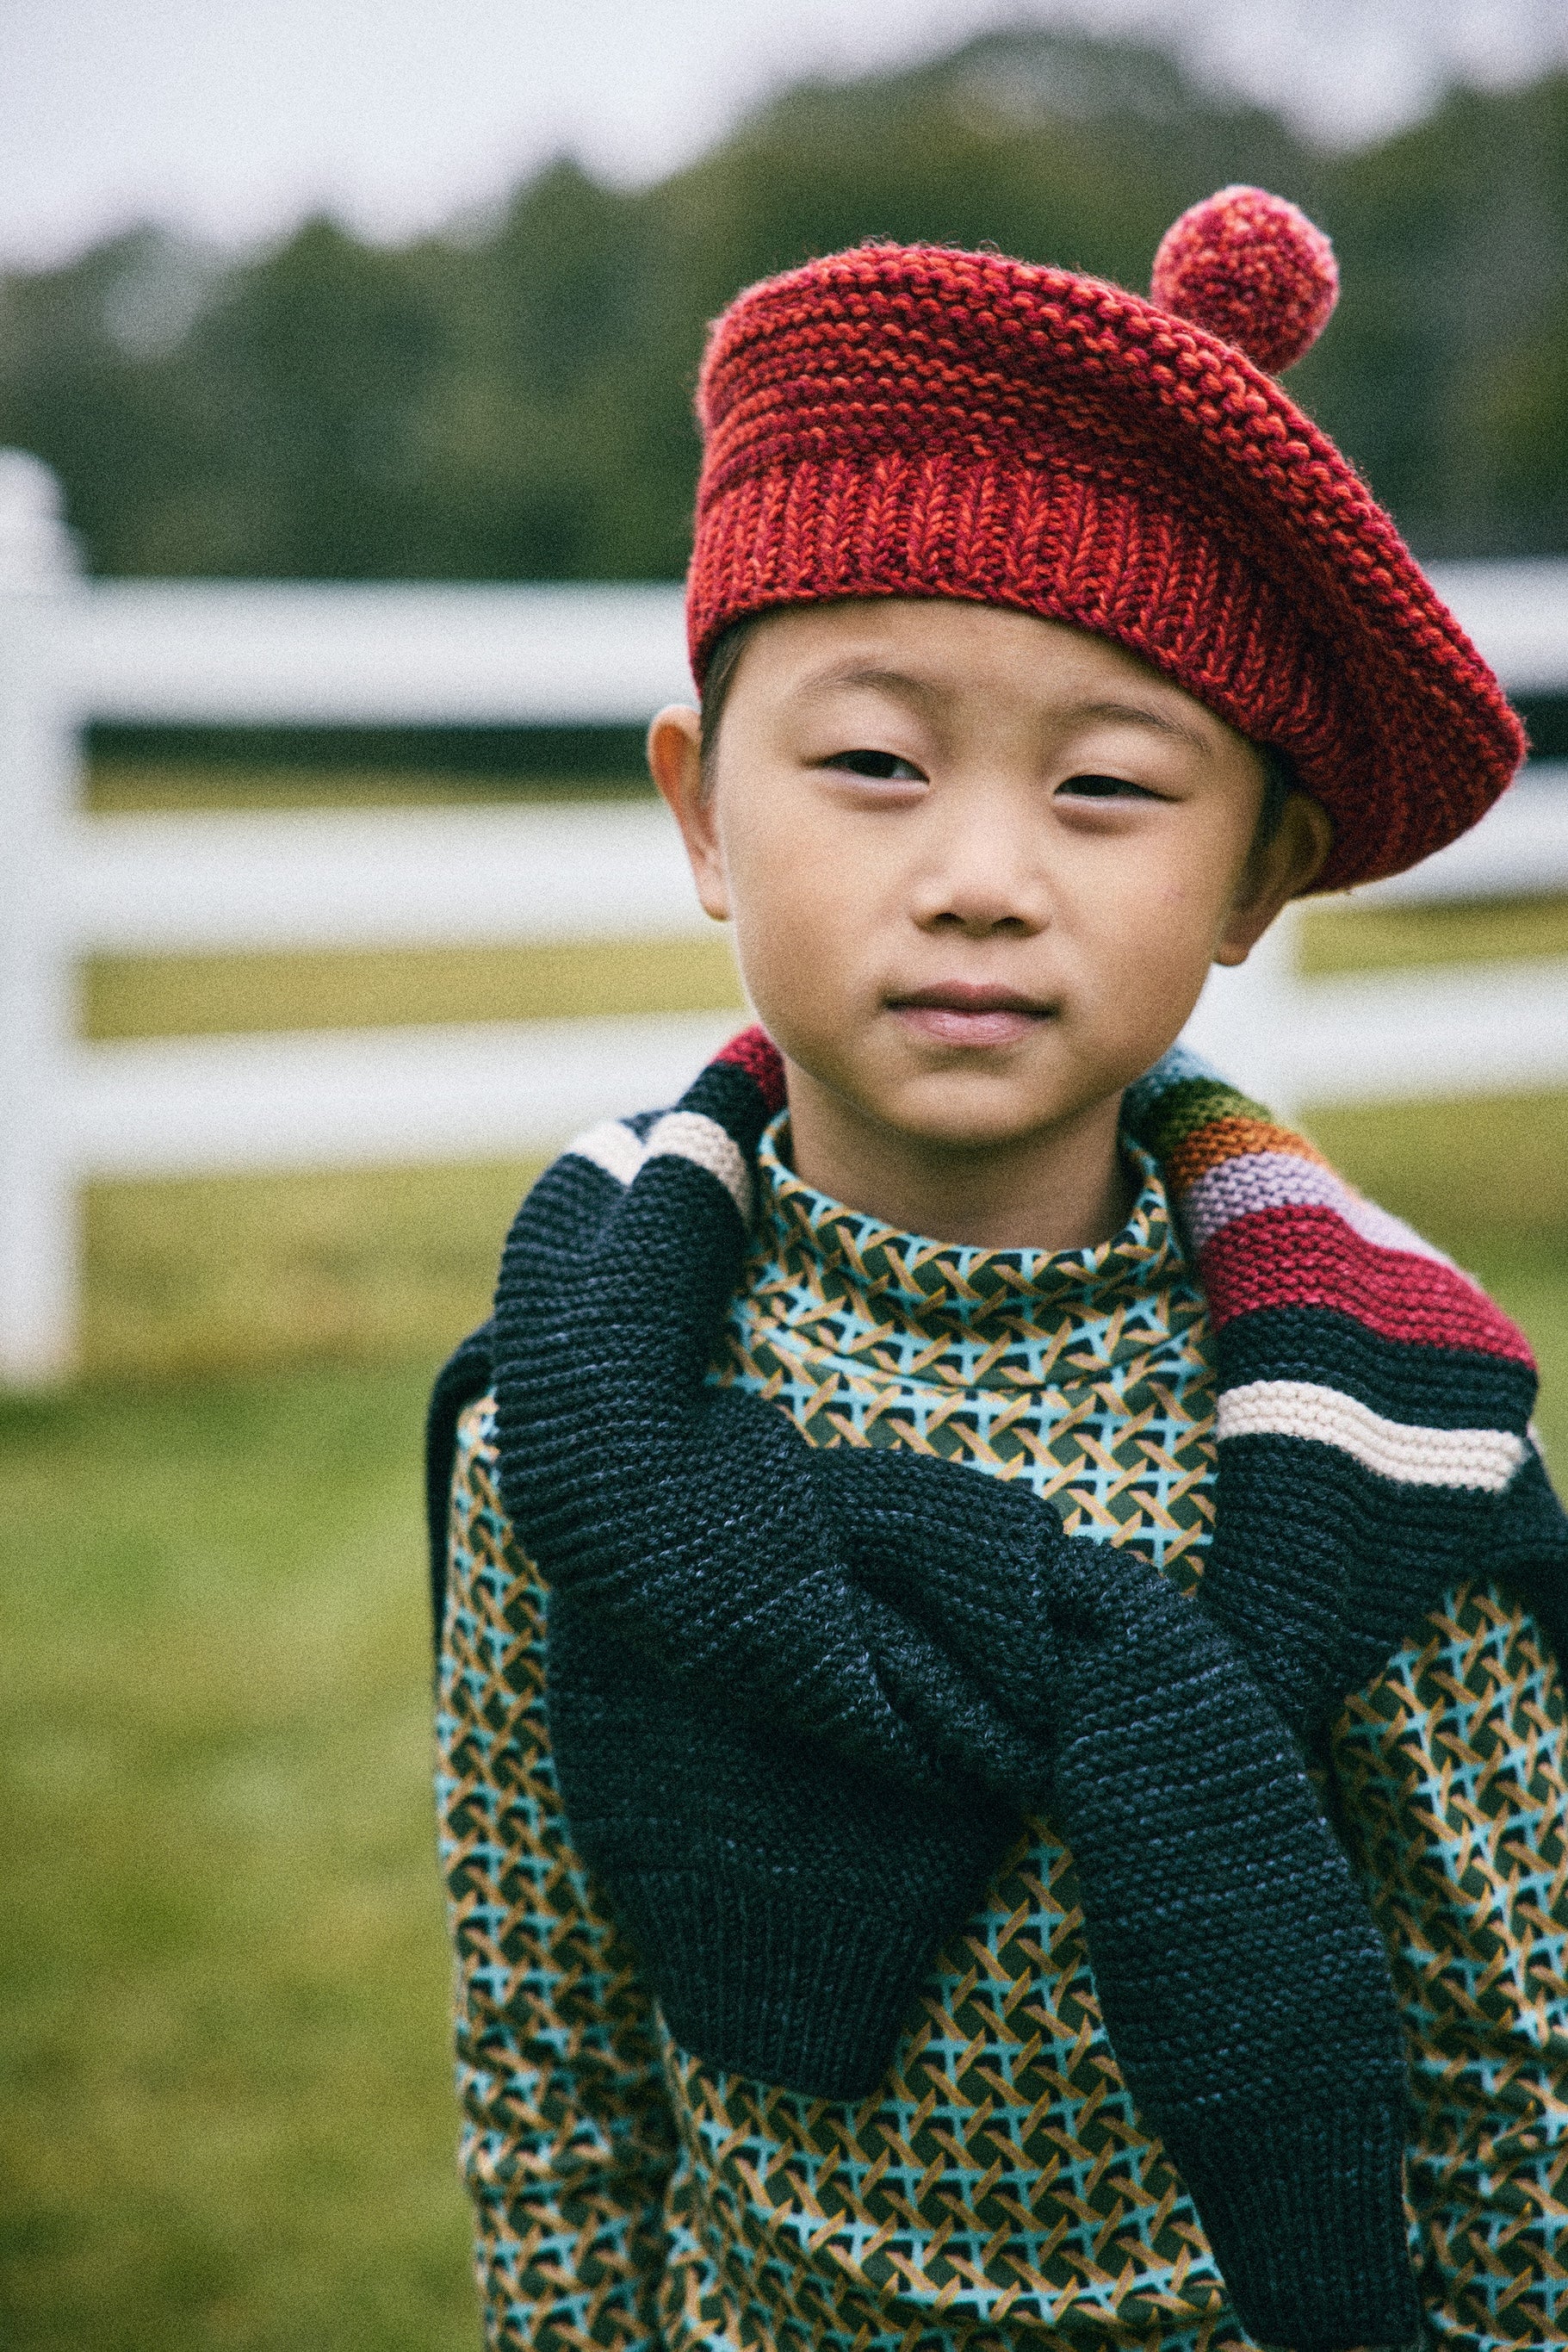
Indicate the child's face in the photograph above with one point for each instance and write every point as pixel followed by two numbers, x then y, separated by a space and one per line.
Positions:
pixel 979 864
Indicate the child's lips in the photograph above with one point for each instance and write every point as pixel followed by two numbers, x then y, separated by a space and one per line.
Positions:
pixel 978 1018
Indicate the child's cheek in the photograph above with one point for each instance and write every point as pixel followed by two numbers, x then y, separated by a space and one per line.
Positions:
pixel 789 930
pixel 1140 964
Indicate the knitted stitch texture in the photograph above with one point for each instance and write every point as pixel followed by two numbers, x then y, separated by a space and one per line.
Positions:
pixel 912 420
pixel 1253 270
pixel 966 1656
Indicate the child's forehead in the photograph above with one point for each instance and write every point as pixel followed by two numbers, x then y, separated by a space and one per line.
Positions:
pixel 949 651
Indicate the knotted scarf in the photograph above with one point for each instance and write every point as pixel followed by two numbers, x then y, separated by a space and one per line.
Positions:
pixel 800 1698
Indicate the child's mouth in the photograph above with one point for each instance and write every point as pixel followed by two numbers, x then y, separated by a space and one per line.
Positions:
pixel 959 1013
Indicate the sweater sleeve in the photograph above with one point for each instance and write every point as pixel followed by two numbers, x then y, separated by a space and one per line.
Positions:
pixel 566 2139
pixel 1451 1771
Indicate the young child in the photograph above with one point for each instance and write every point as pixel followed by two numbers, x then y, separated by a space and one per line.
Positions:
pixel 1002 1755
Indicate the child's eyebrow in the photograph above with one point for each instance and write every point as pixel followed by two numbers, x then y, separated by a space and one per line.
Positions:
pixel 1139 714
pixel 901 684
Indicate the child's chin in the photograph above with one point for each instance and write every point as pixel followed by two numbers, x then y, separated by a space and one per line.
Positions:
pixel 974 1116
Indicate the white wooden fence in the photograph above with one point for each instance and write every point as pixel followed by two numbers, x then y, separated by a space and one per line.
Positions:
pixel 72 651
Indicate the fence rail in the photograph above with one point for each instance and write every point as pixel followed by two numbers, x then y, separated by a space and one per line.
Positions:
pixel 394 878
pixel 326 1098
pixel 238 653
pixel 218 653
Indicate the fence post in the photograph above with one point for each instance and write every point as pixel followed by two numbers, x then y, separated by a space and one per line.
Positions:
pixel 39 763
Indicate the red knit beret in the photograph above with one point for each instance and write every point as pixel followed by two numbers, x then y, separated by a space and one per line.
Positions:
pixel 914 421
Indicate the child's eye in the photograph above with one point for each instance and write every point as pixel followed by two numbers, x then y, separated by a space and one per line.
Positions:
pixel 885 767
pixel 1105 788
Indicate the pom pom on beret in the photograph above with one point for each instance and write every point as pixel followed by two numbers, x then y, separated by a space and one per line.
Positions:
pixel 1250 269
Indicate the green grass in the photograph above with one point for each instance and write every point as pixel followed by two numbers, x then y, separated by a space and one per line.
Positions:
pixel 1337 939
pixel 224 2081
pixel 226 1274
pixel 115 787
pixel 171 996
pixel 225 2114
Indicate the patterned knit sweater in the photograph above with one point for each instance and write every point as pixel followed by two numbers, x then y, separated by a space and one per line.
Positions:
pixel 998 2192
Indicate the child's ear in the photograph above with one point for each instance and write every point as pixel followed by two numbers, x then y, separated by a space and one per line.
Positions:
pixel 1278 869
pixel 675 764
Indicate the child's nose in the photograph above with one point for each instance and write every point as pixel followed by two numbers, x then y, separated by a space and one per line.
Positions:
pixel 983 876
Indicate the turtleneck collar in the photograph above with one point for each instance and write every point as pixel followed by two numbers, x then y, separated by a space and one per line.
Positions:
pixel 977 1307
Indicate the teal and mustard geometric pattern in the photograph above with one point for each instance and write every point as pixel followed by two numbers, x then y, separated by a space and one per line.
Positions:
pixel 1450 1776
pixel 1085 1372
pixel 998 2193
pixel 567 2138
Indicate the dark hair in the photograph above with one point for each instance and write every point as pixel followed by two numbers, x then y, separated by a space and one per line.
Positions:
pixel 1279 769
pixel 717 679
pixel 1280 781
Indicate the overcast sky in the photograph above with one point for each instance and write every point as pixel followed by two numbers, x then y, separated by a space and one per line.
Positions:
pixel 231 118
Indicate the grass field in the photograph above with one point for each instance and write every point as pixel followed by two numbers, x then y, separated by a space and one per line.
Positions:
pixel 223 2084
pixel 225 2115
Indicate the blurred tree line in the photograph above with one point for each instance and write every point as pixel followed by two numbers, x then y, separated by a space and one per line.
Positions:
pixel 515 402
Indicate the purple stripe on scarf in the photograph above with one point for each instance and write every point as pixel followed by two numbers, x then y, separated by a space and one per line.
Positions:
pixel 1280 1180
